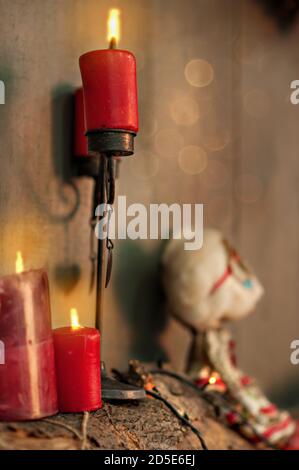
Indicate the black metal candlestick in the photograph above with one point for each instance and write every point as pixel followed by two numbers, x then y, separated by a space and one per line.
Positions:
pixel 99 193
pixel 103 146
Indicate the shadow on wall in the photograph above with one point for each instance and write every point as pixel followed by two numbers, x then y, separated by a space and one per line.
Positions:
pixel 63 129
pixel 62 132
pixel 66 274
pixel 285 12
pixel 8 78
pixel 139 292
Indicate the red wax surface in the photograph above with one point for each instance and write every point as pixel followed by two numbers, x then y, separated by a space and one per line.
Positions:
pixel 77 357
pixel 110 90
pixel 80 139
pixel 27 377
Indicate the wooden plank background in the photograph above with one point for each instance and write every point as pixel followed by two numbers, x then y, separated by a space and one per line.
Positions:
pixel 242 120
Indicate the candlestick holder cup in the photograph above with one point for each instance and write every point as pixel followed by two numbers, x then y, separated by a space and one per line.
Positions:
pixel 108 142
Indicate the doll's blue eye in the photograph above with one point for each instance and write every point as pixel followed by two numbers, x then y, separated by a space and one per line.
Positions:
pixel 248 284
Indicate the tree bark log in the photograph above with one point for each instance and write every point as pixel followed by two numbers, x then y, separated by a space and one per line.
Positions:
pixel 144 425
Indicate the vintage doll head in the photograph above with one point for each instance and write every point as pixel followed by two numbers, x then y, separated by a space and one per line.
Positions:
pixel 208 286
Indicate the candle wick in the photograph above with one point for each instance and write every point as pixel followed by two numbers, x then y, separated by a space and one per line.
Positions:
pixel 112 44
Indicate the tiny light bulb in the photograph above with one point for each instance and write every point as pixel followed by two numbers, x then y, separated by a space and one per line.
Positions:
pixel 212 380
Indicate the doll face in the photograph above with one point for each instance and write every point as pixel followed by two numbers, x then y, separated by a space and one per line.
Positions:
pixel 238 289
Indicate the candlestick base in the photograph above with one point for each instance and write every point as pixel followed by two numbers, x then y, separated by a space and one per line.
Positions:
pixel 113 389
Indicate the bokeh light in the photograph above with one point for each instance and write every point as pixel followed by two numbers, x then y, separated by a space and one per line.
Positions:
pixel 214 136
pixel 199 73
pixel 193 160
pixel 185 111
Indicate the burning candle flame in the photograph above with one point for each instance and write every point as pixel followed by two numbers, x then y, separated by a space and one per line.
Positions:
pixel 19 263
pixel 75 319
pixel 113 27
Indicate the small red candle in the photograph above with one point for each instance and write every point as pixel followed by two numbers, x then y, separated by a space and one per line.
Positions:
pixel 77 357
pixel 80 143
pixel 110 86
pixel 27 369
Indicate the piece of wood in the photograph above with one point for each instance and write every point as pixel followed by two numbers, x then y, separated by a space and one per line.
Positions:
pixel 144 425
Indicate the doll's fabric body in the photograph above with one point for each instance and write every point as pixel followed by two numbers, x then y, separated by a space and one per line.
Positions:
pixel 244 405
pixel 205 289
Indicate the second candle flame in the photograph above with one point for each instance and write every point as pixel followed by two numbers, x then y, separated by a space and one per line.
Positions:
pixel 19 263
pixel 113 35
pixel 75 319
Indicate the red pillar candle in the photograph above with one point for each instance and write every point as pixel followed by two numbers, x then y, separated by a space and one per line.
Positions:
pixel 27 370
pixel 77 357
pixel 80 139
pixel 110 90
